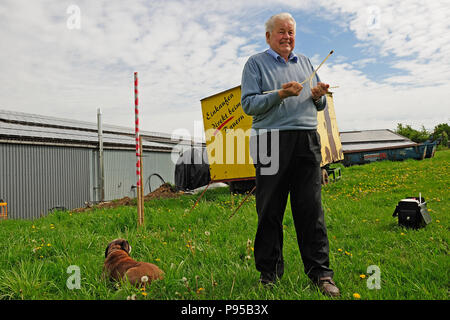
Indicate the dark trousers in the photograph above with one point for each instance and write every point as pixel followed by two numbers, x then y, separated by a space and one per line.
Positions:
pixel 299 174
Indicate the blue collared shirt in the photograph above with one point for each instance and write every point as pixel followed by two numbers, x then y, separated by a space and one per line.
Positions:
pixel 268 71
pixel 292 57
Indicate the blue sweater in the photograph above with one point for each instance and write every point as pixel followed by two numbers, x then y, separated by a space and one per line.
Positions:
pixel 267 71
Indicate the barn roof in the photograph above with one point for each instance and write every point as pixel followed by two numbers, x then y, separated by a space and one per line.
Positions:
pixel 18 127
pixel 370 140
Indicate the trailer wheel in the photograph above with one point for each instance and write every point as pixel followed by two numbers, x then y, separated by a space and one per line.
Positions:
pixel 325 176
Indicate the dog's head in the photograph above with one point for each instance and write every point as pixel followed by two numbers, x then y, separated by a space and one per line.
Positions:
pixel 118 244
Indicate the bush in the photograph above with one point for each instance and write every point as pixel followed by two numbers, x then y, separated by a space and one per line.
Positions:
pixel 413 134
pixel 442 132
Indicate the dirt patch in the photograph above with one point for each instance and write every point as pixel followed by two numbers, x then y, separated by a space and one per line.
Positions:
pixel 164 191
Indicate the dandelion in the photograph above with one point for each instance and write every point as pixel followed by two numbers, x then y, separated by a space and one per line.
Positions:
pixel 144 279
pixel 438 221
pixel 199 290
pixel 49 245
pixel 157 259
pixel 207 233
pixel 402 234
pixel 340 250
pixel 33 227
pixel 362 276
pixel 144 293
pixel 356 296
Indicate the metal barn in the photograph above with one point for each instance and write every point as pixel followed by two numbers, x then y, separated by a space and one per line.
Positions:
pixel 48 163
pixel 366 146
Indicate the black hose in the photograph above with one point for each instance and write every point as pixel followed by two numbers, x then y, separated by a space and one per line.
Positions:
pixel 154 174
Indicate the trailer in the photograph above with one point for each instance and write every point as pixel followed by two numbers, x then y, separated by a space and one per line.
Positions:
pixel 362 157
pixel 227 133
pixel 361 147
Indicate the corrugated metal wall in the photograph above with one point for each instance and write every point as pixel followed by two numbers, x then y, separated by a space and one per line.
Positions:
pixel 37 178
pixel 120 172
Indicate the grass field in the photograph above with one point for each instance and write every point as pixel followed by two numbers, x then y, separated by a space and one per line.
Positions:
pixel 206 255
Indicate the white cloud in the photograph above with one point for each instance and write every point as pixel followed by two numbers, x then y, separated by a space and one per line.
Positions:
pixel 417 32
pixel 187 50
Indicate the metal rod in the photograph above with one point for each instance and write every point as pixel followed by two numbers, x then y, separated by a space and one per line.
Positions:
pixel 202 193
pixel 100 156
pixel 142 185
pixel 245 199
pixel 310 77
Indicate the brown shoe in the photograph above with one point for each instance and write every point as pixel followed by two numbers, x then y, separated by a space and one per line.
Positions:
pixel 328 287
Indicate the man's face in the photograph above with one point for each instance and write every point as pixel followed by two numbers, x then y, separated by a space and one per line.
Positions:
pixel 282 38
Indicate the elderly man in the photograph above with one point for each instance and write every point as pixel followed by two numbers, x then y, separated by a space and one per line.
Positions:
pixel 291 114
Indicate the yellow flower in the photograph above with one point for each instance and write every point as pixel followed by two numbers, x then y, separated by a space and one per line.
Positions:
pixel 356 296
pixel 158 259
pixel 144 293
pixel 362 276
pixel 402 234
pixel 200 290
pixel 438 221
pixel 340 250
pixel 49 245
pixel 33 227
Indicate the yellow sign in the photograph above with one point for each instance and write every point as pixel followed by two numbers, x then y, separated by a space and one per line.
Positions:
pixel 227 133
pixel 329 134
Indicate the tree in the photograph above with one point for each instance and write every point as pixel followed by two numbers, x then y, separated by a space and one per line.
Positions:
pixel 413 134
pixel 442 132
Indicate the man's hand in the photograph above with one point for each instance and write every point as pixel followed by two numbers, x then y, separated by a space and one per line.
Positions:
pixel 319 90
pixel 289 89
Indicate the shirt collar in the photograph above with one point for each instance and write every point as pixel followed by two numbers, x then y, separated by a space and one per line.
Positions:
pixel 292 57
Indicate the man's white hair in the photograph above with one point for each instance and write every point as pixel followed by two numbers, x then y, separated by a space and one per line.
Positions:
pixel 270 24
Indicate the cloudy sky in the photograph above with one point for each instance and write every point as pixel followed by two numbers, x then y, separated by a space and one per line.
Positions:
pixel 68 58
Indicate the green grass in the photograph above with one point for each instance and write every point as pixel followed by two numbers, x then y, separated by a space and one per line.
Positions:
pixel 206 255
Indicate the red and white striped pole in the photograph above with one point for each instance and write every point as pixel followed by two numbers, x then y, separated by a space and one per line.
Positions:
pixel 138 150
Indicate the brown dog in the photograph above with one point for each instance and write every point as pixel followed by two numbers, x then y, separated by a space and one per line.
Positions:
pixel 120 266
